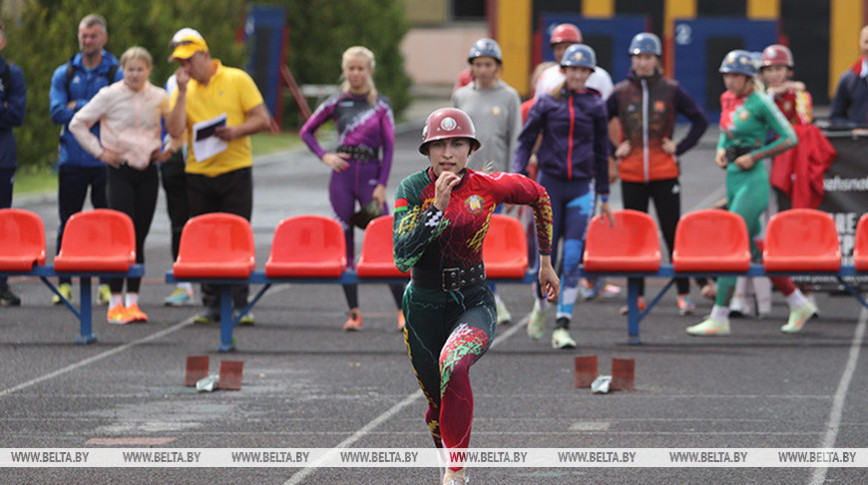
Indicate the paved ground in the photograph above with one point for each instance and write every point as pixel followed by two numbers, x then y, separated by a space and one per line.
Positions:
pixel 307 384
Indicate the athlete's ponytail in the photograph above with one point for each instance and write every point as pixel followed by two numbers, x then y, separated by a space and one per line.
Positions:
pixel 360 51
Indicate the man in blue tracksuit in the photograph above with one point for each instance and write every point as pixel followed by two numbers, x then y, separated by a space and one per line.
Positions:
pixel 12 100
pixel 73 84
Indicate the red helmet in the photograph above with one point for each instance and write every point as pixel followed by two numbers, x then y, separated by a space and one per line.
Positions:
pixel 565 33
pixel 777 55
pixel 448 123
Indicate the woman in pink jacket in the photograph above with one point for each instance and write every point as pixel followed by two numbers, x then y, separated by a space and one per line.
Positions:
pixel 128 142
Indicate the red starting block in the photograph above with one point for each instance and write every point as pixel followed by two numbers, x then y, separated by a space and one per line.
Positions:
pixel 623 374
pixel 197 368
pixel 230 375
pixel 586 370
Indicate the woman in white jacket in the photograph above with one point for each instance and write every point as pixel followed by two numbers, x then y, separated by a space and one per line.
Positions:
pixel 129 113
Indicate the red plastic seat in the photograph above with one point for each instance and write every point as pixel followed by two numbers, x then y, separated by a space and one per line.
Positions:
pixel 101 240
pixel 22 240
pixel 307 246
pixel 711 240
pixel 860 251
pixel 631 245
pixel 216 245
pixel 378 253
pixel 505 248
pixel 802 240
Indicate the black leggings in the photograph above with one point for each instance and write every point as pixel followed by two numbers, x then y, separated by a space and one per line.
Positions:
pixel 667 204
pixel 133 192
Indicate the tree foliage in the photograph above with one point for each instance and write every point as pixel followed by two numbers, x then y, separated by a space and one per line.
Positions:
pixel 45 37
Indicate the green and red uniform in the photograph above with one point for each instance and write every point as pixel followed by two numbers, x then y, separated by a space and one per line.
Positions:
pixel 448 329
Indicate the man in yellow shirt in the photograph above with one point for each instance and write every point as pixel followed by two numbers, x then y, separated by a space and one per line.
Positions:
pixel 222 182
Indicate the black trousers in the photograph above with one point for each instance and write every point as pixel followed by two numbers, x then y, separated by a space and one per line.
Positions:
pixel 72 185
pixel 667 203
pixel 133 192
pixel 230 192
pixel 175 186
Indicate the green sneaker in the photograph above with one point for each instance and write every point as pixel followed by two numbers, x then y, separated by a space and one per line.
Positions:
pixel 709 327
pixel 503 315
pixel 536 324
pixel 103 295
pixel 210 315
pixel 799 317
pixel 247 319
pixel 561 339
pixel 64 289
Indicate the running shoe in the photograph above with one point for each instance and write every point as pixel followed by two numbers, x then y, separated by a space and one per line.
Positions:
pixel 247 319
pixel 135 314
pixel 685 306
pixel 799 317
pixel 179 297
pixel 103 295
pixel 210 315
pixel 353 324
pixel 561 339
pixel 536 324
pixel 591 289
pixel 709 327
pixel 64 289
pixel 7 298
pixel 402 322
pixel 624 309
pixel 503 315
pixel 117 315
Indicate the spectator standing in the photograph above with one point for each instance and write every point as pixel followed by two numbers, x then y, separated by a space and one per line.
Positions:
pixel 850 104
pixel 73 84
pixel 365 124
pixel 13 97
pixel 495 109
pixel 130 113
pixel 646 105
pixel 222 182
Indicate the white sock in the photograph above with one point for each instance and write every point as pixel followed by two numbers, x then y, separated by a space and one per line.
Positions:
pixel 720 313
pixel 540 304
pixel 497 298
pixel 132 298
pixel 796 300
pixel 186 286
pixel 115 300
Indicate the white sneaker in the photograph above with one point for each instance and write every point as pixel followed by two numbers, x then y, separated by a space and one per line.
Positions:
pixel 799 317
pixel 561 339
pixel 503 315
pixel 709 327
pixel 536 324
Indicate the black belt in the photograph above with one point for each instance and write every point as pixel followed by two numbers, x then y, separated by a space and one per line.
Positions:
pixel 358 152
pixel 449 279
pixel 734 152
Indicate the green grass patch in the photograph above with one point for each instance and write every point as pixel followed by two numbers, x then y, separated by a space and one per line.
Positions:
pixel 29 180
pixel 265 143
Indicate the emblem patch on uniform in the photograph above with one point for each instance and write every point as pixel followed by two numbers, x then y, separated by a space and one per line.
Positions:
pixel 474 204
pixel 495 110
pixel 659 106
pixel 743 115
pixel 448 124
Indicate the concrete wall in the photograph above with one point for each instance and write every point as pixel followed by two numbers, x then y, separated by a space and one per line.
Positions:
pixel 435 56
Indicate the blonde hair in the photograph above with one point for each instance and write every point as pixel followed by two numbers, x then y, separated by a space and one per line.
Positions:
pixel 360 51
pixel 136 52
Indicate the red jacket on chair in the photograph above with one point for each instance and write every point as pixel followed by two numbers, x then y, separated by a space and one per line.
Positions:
pixel 798 172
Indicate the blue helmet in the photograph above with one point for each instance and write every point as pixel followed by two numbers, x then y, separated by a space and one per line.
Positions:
pixel 485 48
pixel 740 62
pixel 580 55
pixel 645 43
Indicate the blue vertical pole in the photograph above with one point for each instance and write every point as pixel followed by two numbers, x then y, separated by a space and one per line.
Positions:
pixel 226 323
pixel 633 310
pixel 86 334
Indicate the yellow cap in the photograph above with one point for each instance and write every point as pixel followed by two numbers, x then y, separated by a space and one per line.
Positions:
pixel 187 46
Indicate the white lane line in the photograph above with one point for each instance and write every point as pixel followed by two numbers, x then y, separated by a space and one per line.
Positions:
pixel 834 423
pixel 299 476
pixel 96 358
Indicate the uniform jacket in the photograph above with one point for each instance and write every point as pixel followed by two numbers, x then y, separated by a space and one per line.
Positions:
pixel 12 102
pixel 647 108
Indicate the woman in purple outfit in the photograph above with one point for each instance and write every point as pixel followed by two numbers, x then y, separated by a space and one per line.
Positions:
pixel 365 124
